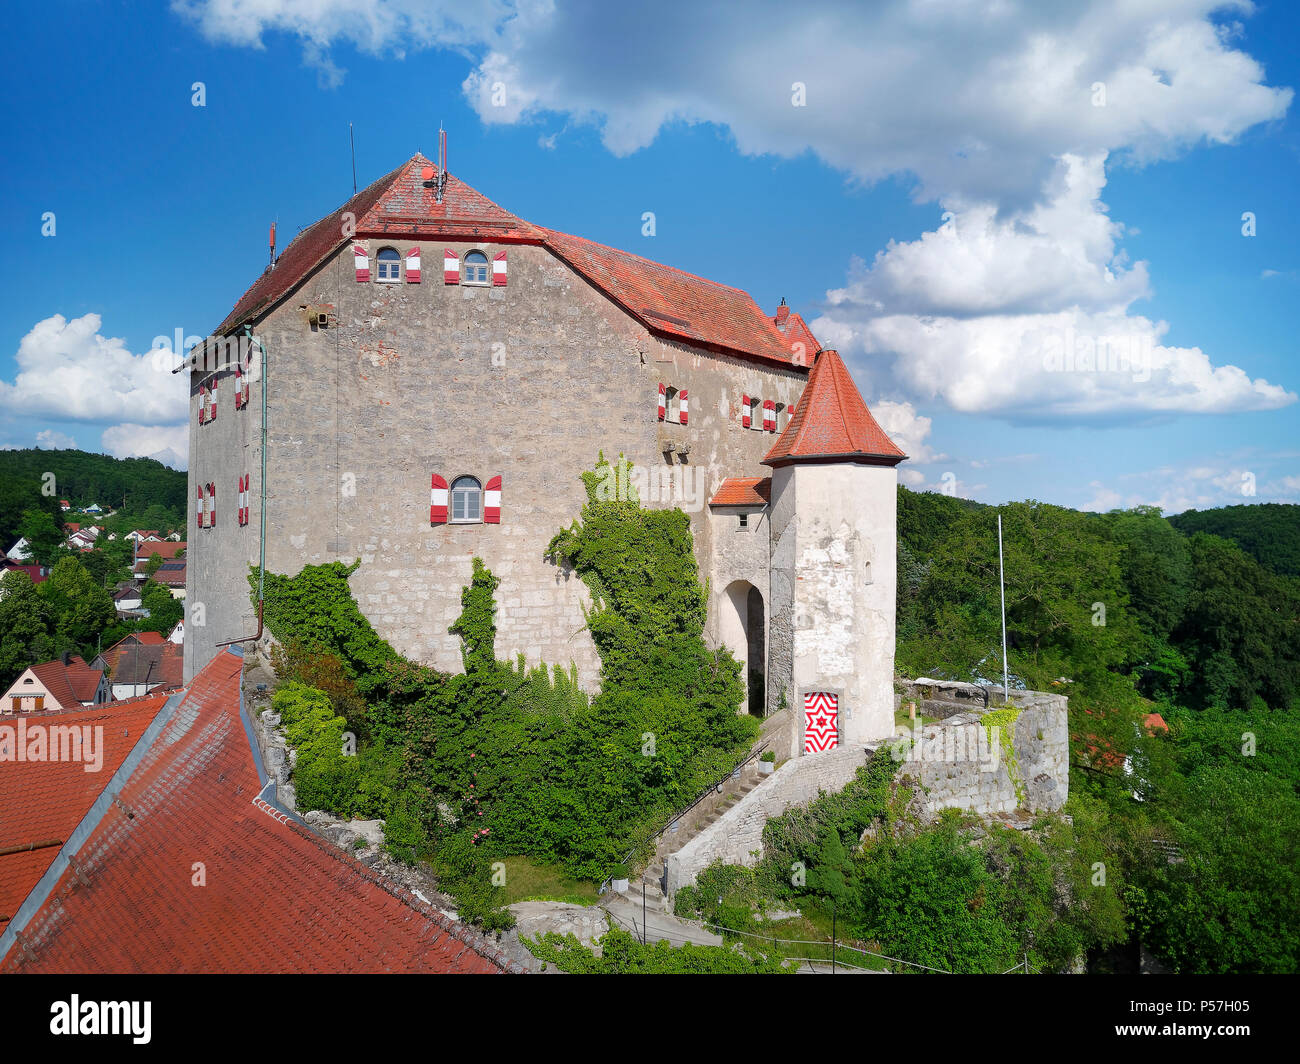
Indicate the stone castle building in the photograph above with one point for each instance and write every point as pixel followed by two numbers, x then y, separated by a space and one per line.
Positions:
pixel 437 373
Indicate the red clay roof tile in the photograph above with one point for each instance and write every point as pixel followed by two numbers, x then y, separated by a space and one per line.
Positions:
pixel 743 491
pixel 668 302
pixel 276 898
pixel 72 683
pixel 831 420
pixel 45 800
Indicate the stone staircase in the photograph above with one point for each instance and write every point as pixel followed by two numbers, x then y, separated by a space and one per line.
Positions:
pixel 685 828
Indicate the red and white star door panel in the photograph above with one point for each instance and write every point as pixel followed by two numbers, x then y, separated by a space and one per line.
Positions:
pixel 821 721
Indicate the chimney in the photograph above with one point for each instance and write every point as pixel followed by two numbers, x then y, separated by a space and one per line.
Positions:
pixel 782 312
pixel 67 658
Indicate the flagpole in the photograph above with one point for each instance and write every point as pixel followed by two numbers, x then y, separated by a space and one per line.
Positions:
pixel 1002 589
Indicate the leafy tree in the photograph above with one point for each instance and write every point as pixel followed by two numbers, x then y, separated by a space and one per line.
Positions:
pixel 1228 900
pixel 79 607
pixel 24 627
pixel 44 536
pixel 165 610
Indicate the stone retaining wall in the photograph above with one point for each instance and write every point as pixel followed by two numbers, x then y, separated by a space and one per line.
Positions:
pixel 736 836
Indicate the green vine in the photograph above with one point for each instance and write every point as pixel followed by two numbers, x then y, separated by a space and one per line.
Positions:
pixel 1004 720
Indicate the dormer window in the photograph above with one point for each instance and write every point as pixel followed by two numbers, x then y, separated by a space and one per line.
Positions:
pixel 476 269
pixel 389 264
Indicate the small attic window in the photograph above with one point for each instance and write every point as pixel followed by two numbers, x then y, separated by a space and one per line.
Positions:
pixel 389 264
pixel 476 269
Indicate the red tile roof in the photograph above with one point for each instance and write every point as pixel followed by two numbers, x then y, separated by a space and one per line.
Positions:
pixel 72 683
pixel 277 898
pixel 151 661
pixel 147 549
pixel 743 491
pixel 676 304
pixel 831 420
pixel 396 204
pixel 42 801
pixel 668 302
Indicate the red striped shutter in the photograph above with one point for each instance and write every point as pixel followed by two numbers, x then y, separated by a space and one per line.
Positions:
pixel 199 509
pixel 492 502
pixel 681 396
pixel 239 386
pixel 361 259
pixel 413 266
pixel 769 415
pixel 203 404
pixel 212 396
pixel 450 267
pixel 745 417
pixel 663 402
pixel 438 498
pixel 499 269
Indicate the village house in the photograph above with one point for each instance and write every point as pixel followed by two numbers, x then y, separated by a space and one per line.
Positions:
pixel 140 664
pixel 433 374
pixel 66 683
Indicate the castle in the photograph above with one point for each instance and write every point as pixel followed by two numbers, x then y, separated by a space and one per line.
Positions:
pixel 433 374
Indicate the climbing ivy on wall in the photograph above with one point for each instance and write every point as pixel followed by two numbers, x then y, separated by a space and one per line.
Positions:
pixel 518 760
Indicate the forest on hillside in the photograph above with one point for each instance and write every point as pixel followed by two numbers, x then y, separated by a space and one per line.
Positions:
pixel 1118 605
pixel 144 491
pixel 1269 532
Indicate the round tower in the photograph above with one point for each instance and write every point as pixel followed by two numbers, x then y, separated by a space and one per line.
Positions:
pixel 834 564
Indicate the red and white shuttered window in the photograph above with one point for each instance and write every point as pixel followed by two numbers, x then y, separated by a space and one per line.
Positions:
pixel 450 267
pixel 465 502
pixel 241 387
pixel 769 415
pixel 361 261
pixel 208 506
pixel 413 266
pixel 200 509
pixel 821 721
pixel 746 412
pixel 499 269
pixel 673 406
pixel 212 400
pixel 438 494
pixel 243 499
pixel 203 404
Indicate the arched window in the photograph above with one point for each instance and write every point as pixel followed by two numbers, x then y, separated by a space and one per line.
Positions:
pixel 466 501
pixel 475 269
pixel 672 406
pixel 390 264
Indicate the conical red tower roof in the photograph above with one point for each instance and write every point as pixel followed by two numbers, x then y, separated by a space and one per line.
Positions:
pixel 831 422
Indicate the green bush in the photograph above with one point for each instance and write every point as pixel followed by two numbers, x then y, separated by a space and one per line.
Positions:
pixel 622 954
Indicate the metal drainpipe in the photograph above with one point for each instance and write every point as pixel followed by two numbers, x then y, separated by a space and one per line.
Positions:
pixel 261 559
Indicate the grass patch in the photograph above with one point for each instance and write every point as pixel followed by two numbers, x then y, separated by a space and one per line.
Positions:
pixel 902 720
pixel 526 880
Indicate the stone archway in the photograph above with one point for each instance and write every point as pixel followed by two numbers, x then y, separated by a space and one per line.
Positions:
pixel 743 628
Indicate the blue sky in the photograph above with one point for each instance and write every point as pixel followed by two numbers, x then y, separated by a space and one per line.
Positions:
pixel 1069 217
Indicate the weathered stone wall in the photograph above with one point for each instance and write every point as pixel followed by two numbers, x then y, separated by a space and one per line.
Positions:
pixel 834 612
pixel 528 382
pixel 949 760
pixel 959 764
pixel 737 836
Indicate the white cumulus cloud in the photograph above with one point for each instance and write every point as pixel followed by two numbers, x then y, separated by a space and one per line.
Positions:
pixel 168 444
pixel 67 371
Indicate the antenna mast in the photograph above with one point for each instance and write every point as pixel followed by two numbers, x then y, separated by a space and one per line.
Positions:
pixel 1002 589
pixel 442 164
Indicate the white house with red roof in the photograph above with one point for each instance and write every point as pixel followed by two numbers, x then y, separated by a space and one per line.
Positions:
pixel 440 372
pixel 66 683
